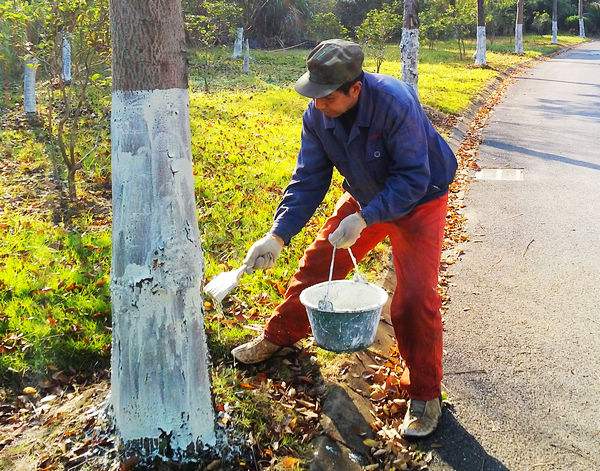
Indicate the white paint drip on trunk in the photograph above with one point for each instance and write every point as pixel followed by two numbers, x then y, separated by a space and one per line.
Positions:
pixel 581 28
pixel 159 357
pixel 29 86
pixel 409 51
pixel 519 38
pixel 555 32
pixel 66 59
pixel 480 53
pixel 238 44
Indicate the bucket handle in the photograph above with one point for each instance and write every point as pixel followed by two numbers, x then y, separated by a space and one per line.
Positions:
pixel 358 277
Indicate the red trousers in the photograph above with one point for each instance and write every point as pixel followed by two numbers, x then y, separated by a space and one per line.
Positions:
pixel 416 241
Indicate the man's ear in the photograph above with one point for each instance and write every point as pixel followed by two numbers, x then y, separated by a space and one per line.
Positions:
pixel 355 89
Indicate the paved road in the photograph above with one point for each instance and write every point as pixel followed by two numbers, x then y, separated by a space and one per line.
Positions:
pixel 523 333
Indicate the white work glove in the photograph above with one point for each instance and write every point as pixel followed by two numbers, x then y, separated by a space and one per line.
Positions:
pixel 263 253
pixel 348 231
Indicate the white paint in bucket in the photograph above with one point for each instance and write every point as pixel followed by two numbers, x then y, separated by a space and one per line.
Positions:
pixel 346 296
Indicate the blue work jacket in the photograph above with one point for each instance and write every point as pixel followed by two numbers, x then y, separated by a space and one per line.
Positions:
pixel 392 160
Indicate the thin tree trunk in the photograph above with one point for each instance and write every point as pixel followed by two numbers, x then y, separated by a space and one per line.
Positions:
pixel 160 383
pixel 554 21
pixel 519 28
pixel 409 44
pixel 480 53
pixel 581 23
pixel 66 59
pixel 246 63
pixel 29 87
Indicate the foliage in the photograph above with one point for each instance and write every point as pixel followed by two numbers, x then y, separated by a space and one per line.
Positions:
pixel 325 26
pixel 211 22
pixel 434 22
pixel 500 18
pixel 593 17
pixel 378 29
pixel 541 22
pixel 353 12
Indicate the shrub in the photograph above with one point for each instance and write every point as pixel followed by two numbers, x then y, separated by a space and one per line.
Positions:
pixel 541 22
pixel 378 29
pixel 325 26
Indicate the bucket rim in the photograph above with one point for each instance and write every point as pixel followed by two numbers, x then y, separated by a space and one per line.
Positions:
pixel 370 307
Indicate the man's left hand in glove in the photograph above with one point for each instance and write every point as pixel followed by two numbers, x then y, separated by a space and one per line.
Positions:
pixel 348 232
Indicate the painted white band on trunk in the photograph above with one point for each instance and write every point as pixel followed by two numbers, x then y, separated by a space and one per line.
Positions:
pixel 159 356
pixel 66 60
pixel 555 32
pixel 238 44
pixel 409 51
pixel 581 28
pixel 29 86
pixel 481 46
pixel 519 38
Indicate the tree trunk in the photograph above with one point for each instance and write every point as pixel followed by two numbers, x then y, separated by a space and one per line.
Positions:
pixel 246 63
pixel 409 44
pixel 160 383
pixel 480 53
pixel 581 23
pixel 519 28
pixel 29 87
pixel 554 21
pixel 66 59
pixel 238 44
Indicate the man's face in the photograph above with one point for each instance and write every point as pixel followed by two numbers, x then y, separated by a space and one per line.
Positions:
pixel 337 103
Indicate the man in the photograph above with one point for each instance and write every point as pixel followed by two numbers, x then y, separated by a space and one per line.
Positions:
pixel 397 170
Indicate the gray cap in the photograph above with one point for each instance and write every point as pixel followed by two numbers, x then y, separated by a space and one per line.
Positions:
pixel 330 64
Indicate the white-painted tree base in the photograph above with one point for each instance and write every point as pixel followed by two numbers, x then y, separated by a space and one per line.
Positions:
pixel 238 44
pixel 480 52
pixel 29 86
pixel 160 375
pixel 519 39
pixel 581 28
pixel 66 60
pixel 409 51
pixel 555 32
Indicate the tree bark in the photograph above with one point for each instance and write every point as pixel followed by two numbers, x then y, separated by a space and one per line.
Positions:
pixel 480 52
pixel 160 383
pixel 554 21
pixel 519 28
pixel 581 23
pixel 409 44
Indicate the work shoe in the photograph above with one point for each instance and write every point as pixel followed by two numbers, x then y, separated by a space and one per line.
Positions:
pixel 421 418
pixel 257 350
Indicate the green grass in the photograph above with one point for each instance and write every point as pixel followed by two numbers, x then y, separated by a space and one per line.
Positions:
pixel 245 136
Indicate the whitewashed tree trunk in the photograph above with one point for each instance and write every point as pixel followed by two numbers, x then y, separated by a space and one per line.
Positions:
pixel 29 86
pixel 480 52
pixel 160 386
pixel 409 44
pixel 581 23
pixel 238 44
pixel 554 21
pixel 519 28
pixel 246 64
pixel 66 59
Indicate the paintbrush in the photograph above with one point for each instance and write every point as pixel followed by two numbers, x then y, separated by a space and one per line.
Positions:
pixel 224 283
